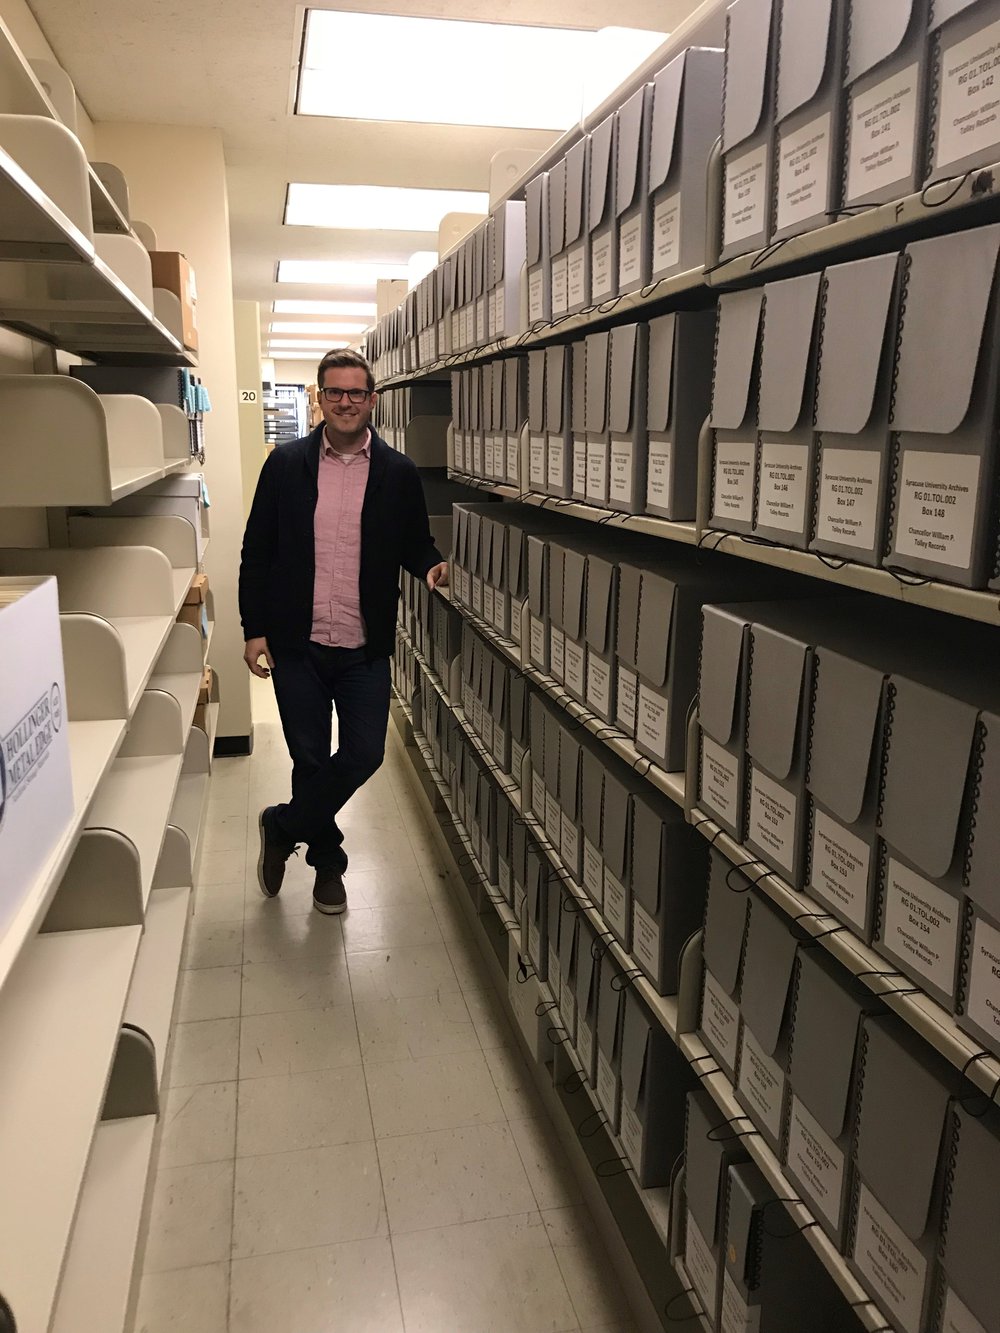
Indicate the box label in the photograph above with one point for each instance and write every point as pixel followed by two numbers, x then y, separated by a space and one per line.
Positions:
pixel 762 1084
pixel 921 926
pixel 720 788
pixel 579 467
pixel 556 467
pixel 646 940
pixel 743 209
pixel 477 456
pixel 969 96
pixel 537 793
pixel 536 461
pixel 772 819
pixel 651 722
pixel 666 232
pixel 569 841
pixel 560 285
pixel 487 602
pixel 557 644
pixel 593 872
pixel 600 268
pixel 957 1318
pixel 803 172
pixel 732 491
pixel 735 1315
pixel 552 976
pixel 720 1020
pixel 501 317
pixel 516 616
pixel 576 273
pixel 597 471
pixel 631 1135
pixel 784 483
pixel 552 819
pixel 516 759
pixel 982 1002
pixel 817 1161
pixel 585 1047
pixel 477 594
pixel 840 868
pixel 627 690
pixel 598 684
pixel 480 321
pixel 536 306
pixel 607 1088
pixel 938 498
pixel 883 133
pixel 499 610
pixel 630 252
pixel 615 904
pixel 493 313
pixel 701 1266
pixel 848 497
pixel 513 458
pixel 623 471
pixel 567 1004
pixel 659 476
pixel 537 641
pixel 574 668
pixel 892 1264
pixel 503 873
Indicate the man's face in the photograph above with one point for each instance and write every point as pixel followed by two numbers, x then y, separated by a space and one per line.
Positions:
pixel 344 417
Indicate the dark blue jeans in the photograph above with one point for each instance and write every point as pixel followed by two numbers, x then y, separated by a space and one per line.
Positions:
pixel 308 686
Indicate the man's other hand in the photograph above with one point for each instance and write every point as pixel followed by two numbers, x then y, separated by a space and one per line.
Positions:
pixel 438 576
pixel 255 649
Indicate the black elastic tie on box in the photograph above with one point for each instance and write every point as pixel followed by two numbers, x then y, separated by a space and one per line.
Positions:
pixel 701 821
pixel 907 580
pixel 521 979
pixel 578 1078
pixel 714 1136
pixel 687 1293
pixel 601 1123
pixel 958 182
pixel 795 1231
pixel 860 1305
pixel 603 1169
pixel 627 979
pixel 749 884
pixel 768 252
pixel 553 1037
pixel 544 1007
pixel 805 916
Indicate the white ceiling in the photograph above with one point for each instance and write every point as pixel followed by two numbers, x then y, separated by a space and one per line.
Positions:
pixel 232 65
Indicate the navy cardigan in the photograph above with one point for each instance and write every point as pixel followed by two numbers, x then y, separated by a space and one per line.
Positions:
pixel 278 565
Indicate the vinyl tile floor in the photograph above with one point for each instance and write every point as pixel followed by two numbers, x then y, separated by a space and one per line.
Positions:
pixel 352 1142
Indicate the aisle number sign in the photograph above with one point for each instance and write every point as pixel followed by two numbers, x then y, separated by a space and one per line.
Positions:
pixel 248 395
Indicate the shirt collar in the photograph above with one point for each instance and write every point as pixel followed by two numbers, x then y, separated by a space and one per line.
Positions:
pixel 330 452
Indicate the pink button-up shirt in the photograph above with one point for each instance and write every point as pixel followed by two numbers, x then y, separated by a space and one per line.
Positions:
pixel 337 620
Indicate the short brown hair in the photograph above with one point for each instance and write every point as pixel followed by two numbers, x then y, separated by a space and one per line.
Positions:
pixel 345 359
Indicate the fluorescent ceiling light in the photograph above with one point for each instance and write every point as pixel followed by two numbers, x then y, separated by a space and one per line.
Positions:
pixel 307 345
pixel 362 308
pixel 377 207
pixel 308 330
pixel 337 272
pixel 467 73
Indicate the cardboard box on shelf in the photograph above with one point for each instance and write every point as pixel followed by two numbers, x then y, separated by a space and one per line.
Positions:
pixel 577 234
pixel 557 238
pixel 734 410
pixel 598 441
pixel 807 170
pixel 687 113
pixel 632 190
pixel 823 1076
pixel 669 866
pixel 971 1295
pixel 887 48
pixel 558 427
pixel 905 1096
pixel 860 311
pixel 727 907
pixel 655 1081
pixel 172 272
pixel 765 1011
pixel 578 422
pixel 617 855
pixel 602 624
pixel 747 126
pixel 538 252
pixel 627 392
pixel 602 222
pixel 679 393
pixel 947 392
pixel 710 1148
pixel 784 482
pixel 611 1004
pixel 588 985
pixel 198 591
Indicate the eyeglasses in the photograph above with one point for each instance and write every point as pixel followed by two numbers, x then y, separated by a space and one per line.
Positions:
pixel 353 395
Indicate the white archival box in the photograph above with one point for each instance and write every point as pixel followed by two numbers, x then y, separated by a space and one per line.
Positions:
pixel 36 788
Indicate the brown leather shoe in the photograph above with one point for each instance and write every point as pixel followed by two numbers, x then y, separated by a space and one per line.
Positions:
pixel 274 853
pixel 329 894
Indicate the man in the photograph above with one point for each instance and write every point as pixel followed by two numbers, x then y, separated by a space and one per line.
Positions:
pixel 335 515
